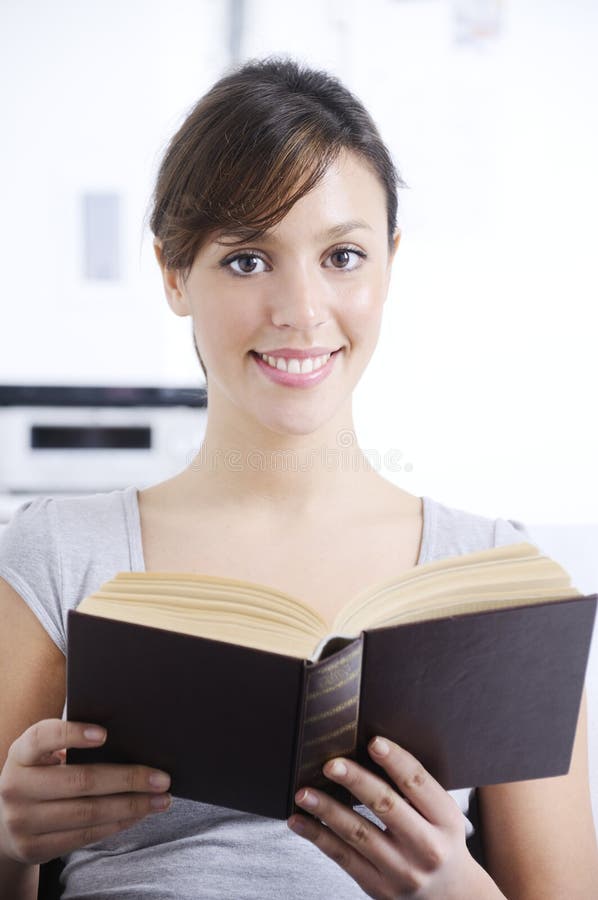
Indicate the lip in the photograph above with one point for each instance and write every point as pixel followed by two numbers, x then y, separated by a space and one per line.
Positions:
pixel 292 379
pixel 290 353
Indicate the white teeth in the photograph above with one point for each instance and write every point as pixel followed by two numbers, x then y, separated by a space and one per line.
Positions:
pixel 296 366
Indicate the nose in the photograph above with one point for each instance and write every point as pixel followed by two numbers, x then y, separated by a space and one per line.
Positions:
pixel 301 302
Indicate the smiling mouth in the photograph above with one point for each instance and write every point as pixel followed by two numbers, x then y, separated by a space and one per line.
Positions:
pixel 295 366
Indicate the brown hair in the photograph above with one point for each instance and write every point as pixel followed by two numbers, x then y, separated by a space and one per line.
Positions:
pixel 254 144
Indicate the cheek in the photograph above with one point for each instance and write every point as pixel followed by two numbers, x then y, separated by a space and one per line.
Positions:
pixel 363 310
pixel 220 329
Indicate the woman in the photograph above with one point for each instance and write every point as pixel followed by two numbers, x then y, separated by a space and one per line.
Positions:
pixel 274 218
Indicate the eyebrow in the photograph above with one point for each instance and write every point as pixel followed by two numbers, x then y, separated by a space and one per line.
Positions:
pixel 334 232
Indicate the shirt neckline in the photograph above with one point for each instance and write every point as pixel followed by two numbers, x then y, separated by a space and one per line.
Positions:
pixel 133 517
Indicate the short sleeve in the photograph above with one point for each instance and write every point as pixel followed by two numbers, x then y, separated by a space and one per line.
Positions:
pixel 511 531
pixel 30 563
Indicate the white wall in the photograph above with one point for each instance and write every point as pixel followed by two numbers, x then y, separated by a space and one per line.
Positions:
pixel 484 379
pixel 90 93
pixel 490 336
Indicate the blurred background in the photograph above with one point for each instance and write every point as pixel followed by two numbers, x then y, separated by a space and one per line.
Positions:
pixel 482 393
pixel 483 389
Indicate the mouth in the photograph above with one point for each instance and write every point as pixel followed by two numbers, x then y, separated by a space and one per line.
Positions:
pixel 295 366
pixel 294 373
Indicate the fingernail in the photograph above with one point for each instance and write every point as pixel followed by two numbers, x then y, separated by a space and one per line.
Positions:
pixel 306 798
pixel 380 747
pixel 159 780
pixel 297 825
pixel 160 802
pixel 337 768
pixel 94 734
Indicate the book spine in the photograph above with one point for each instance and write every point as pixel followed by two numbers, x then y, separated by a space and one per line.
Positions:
pixel 329 716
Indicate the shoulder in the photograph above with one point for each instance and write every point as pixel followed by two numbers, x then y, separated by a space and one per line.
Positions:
pixel 96 536
pixel 101 517
pixel 56 550
pixel 71 525
pixel 452 531
pixel 30 542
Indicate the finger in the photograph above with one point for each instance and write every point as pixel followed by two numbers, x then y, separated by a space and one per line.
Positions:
pixel 401 819
pixel 88 812
pixel 357 866
pixel 48 735
pixel 52 759
pixel 41 848
pixel 419 787
pixel 56 758
pixel 90 779
pixel 351 828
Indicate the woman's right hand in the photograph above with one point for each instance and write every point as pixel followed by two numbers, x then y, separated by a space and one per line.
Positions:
pixel 48 808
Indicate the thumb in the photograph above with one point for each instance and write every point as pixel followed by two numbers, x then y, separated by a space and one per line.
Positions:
pixel 52 758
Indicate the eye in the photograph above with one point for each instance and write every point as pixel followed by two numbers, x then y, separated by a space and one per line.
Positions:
pixel 242 259
pixel 247 261
pixel 342 254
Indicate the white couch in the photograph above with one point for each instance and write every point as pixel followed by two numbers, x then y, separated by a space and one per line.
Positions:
pixel 576 548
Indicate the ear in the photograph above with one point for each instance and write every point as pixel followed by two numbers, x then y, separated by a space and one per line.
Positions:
pixel 395 246
pixel 391 255
pixel 173 284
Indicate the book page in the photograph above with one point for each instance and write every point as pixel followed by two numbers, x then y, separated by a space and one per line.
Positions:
pixel 261 617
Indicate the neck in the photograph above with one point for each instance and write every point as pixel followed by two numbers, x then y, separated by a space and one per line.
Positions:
pixel 279 474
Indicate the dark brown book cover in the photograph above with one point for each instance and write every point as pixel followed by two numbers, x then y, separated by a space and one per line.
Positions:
pixel 480 698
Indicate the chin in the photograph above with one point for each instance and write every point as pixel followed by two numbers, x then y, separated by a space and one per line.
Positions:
pixel 296 426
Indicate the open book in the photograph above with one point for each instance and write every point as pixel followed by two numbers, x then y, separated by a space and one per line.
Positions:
pixel 474 663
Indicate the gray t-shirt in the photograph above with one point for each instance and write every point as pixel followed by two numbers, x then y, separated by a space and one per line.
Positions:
pixel 56 551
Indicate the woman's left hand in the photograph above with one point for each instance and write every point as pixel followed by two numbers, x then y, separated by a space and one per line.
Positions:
pixel 422 853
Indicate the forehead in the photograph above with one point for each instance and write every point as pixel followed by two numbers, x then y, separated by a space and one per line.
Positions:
pixel 349 197
pixel 340 229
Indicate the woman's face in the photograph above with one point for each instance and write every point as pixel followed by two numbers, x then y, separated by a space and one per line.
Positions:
pixel 299 288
